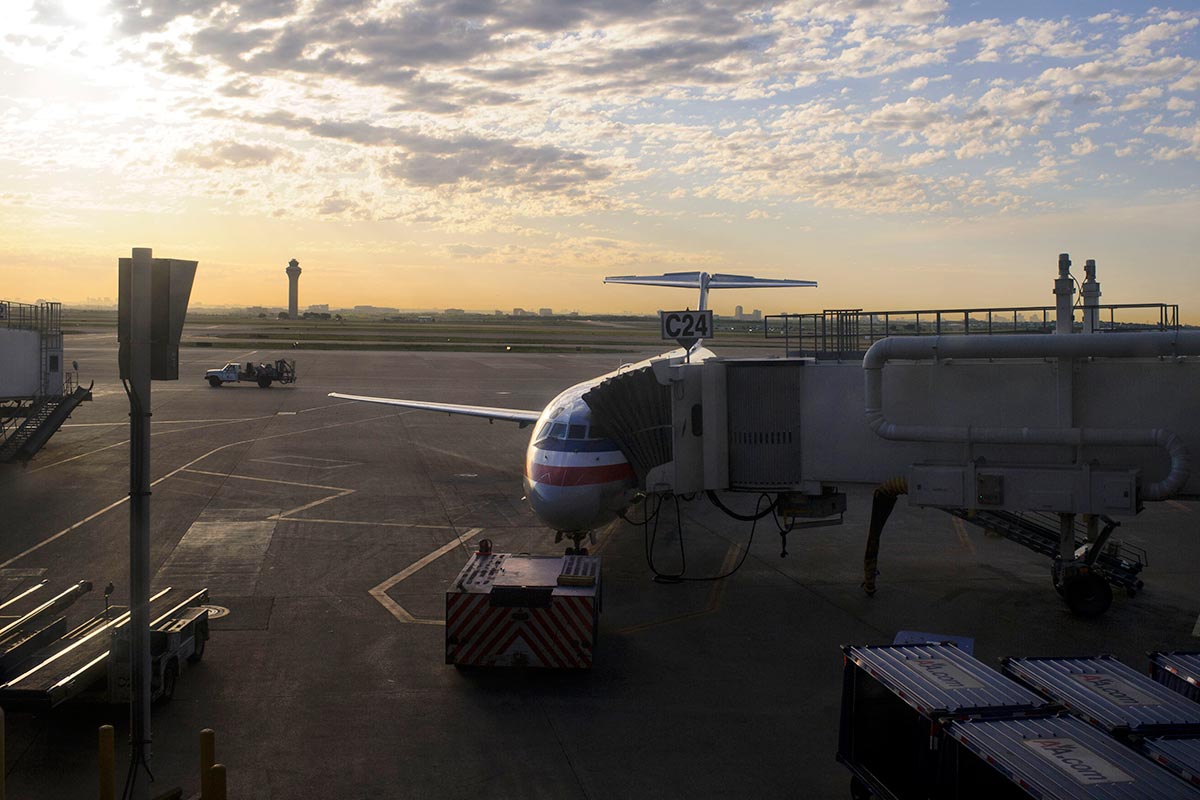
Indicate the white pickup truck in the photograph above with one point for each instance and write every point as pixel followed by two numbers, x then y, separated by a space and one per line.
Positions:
pixel 281 371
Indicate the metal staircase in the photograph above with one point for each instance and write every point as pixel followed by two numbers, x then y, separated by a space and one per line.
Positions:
pixel 1119 562
pixel 45 417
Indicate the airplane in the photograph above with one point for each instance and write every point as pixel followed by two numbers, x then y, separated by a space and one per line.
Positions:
pixel 576 479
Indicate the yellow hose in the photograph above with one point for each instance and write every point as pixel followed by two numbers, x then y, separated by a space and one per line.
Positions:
pixel 883 500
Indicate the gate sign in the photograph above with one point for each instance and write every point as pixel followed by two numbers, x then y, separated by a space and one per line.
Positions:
pixel 687 327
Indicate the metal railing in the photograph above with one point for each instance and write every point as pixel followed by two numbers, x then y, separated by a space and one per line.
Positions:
pixel 848 333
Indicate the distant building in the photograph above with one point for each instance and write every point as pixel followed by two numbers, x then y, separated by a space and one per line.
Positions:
pixel 545 312
pixel 375 310
pixel 519 312
pixel 319 308
pixel 737 312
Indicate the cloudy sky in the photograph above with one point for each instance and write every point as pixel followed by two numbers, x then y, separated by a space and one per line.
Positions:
pixel 426 153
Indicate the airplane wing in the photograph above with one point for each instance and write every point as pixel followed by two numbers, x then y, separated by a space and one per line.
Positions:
pixel 519 416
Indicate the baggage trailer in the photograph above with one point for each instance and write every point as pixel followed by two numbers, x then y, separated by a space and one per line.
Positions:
pixel 92 661
pixel 896 700
pixel 1056 757
pixel 33 625
pixel 523 610
pixel 1180 755
pixel 1179 671
pixel 1110 695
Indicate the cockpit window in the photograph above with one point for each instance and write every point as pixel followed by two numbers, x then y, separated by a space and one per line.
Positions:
pixel 577 432
pixel 557 431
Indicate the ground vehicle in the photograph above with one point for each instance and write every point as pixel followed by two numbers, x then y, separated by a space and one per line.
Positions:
pixel 91 661
pixel 281 371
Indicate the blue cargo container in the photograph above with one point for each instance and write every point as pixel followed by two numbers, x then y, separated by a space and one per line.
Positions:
pixel 1179 671
pixel 1181 756
pixel 1108 694
pixel 1056 757
pixel 895 698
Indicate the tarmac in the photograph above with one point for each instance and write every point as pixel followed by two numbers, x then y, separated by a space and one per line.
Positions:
pixel 314 519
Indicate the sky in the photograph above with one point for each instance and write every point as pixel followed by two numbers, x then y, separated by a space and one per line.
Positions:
pixel 486 155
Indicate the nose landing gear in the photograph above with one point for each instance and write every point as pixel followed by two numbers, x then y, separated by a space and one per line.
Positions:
pixel 576 537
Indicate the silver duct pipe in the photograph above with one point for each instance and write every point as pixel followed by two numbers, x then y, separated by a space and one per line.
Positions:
pixel 1111 345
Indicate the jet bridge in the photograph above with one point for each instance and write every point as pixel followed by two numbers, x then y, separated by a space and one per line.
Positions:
pixel 1004 425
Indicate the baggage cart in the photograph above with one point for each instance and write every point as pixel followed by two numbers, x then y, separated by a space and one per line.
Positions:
pixel 1180 755
pixel 1108 694
pixel 1056 757
pixel 895 700
pixel 523 610
pixel 1179 671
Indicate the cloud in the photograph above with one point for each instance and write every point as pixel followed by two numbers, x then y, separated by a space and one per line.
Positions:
pixel 226 154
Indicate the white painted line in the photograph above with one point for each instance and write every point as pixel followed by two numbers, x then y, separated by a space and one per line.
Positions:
pixel 421 525
pixel 337 490
pixel 394 608
pixel 178 470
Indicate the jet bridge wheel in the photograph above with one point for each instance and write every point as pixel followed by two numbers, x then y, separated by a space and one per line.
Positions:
pixel 1087 594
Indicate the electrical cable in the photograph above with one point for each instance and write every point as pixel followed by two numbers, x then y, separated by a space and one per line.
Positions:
pixel 716 501
pixel 651 536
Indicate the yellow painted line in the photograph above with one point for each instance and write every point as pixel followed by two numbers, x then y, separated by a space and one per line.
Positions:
pixel 1179 505
pixel 960 528
pixel 394 608
pixel 714 597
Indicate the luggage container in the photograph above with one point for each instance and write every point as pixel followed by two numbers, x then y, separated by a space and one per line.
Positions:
pixel 1179 671
pixel 895 698
pixel 1108 694
pixel 523 611
pixel 1056 757
pixel 1180 755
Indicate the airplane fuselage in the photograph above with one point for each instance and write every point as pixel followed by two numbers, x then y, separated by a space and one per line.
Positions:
pixel 575 478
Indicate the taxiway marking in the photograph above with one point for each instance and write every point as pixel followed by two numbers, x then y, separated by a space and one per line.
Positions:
pixel 961 529
pixel 178 470
pixel 338 491
pixel 714 597
pixel 394 608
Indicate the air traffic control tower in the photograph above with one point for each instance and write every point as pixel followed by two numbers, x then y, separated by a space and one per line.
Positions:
pixel 293 273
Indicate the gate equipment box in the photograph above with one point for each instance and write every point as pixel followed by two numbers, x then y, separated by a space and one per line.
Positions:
pixel 896 698
pixel 1108 694
pixel 1181 756
pixel 522 610
pixel 1052 757
pixel 1178 671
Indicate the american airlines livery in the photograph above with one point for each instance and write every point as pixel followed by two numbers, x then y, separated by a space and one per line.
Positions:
pixel 576 480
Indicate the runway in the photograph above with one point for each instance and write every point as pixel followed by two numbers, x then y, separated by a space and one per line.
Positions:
pixel 331 529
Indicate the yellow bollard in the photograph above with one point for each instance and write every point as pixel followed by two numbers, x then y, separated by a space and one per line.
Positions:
pixel 208 756
pixel 108 758
pixel 217 781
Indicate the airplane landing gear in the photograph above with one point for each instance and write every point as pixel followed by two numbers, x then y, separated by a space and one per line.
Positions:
pixel 576 537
